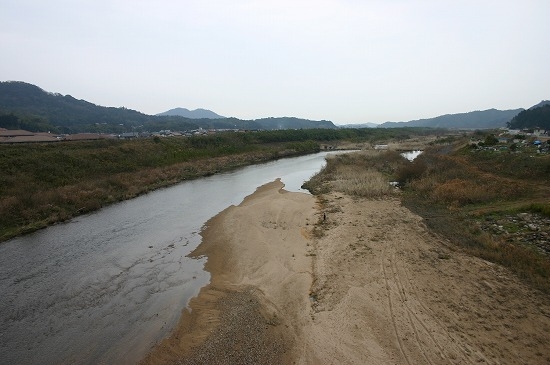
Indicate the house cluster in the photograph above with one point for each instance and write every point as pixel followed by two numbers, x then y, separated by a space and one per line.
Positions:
pixel 537 132
pixel 17 136
pixel 195 132
pixel 23 136
pixel 537 140
pixel 169 133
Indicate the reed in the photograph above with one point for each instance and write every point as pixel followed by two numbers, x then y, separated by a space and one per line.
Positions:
pixel 360 174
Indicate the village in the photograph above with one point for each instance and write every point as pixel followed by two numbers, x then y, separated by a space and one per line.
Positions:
pixel 23 136
pixel 536 140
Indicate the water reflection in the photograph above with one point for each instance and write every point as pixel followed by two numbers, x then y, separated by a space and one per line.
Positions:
pixel 411 155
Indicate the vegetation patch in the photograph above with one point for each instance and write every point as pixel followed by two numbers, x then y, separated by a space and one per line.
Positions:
pixel 360 174
pixel 42 184
pixel 492 204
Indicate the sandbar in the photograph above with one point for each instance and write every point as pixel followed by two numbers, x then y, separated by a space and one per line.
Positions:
pixel 296 280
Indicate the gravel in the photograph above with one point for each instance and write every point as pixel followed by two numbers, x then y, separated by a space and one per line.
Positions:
pixel 244 336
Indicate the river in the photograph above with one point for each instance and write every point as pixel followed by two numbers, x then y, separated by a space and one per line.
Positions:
pixel 105 287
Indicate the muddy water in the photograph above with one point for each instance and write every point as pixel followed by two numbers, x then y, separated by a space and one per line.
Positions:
pixel 103 288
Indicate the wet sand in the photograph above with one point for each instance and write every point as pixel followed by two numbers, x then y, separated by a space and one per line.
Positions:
pixel 370 285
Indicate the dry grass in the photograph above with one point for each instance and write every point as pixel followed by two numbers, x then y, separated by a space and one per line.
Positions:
pixel 362 183
pixel 528 264
pixel 360 174
pixel 457 182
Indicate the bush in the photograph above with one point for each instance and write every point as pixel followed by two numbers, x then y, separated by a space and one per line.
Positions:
pixel 410 171
pixel 490 140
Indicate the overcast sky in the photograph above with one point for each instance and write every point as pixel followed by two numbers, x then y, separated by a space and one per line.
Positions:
pixel 348 61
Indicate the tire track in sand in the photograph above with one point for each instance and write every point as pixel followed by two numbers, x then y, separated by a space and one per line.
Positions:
pixel 455 341
pixel 410 314
pixel 390 306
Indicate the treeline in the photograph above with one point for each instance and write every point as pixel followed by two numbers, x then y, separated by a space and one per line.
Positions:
pixel 372 135
pixel 317 136
pixel 532 118
pixel 28 123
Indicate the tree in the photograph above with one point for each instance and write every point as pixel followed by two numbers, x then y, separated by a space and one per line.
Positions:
pixel 532 118
pixel 490 140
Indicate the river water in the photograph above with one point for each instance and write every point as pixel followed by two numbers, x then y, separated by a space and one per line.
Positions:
pixel 411 155
pixel 105 287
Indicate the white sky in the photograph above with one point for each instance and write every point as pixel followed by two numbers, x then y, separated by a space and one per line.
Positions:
pixel 349 61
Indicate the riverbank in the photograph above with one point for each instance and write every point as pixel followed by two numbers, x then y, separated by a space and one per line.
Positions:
pixel 354 280
pixel 43 184
pixel 46 184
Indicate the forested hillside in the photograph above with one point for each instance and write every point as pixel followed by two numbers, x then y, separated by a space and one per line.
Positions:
pixel 538 117
pixel 63 113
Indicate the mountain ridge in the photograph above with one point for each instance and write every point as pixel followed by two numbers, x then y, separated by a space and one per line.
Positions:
pixel 47 111
pixel 66 114
pixel 542 103
pixel 479 119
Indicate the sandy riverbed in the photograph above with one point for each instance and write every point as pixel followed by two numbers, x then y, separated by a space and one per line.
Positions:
pixel 376 287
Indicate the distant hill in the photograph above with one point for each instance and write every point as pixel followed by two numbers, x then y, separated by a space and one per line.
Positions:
pixel 64 112
pixel 26 106
pixel 537 116
pixel 192 114
pixel 485 119
pixel 293 123
pixel 361 125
